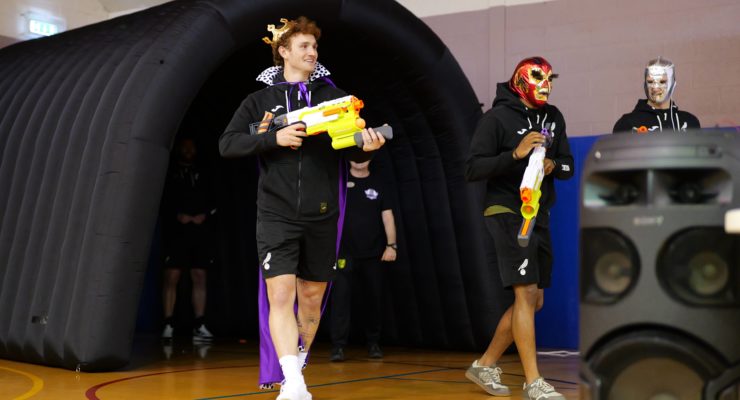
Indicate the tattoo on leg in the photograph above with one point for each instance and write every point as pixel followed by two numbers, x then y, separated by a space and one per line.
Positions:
pixel 308 329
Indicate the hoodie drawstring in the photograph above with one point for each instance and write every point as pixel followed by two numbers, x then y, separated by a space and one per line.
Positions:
pixel 678 122
pixel 303 93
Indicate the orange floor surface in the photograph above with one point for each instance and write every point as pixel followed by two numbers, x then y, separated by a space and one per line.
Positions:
pixel 229 370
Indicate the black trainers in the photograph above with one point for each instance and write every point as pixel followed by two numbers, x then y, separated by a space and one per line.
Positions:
pixel 374 351
pixel 337 355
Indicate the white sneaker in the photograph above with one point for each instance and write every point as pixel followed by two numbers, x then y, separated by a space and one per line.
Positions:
pixel 167 332
pixel 290 391
pixel 202 334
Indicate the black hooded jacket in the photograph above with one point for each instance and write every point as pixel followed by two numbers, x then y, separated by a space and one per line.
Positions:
pixel 644 118
pixel 491 151
pixel 301 184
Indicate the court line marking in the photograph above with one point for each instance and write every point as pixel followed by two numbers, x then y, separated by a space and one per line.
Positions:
pixel 547 379
pixel 427 380
pixel 447 381
pixel 91 393
pixel 37 383
pixel 325 384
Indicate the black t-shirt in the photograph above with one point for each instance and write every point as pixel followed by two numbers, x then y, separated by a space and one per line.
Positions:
pixel 188 191
pixel 363 233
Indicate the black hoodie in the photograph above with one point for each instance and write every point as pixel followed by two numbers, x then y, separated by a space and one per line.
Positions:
pixel 301 184
pixel 644 118
pixel 491 151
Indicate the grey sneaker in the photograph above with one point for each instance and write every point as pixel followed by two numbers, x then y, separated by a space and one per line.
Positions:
pixel 201 334
pixel 167 332
pixel 488 378
pixel 540 390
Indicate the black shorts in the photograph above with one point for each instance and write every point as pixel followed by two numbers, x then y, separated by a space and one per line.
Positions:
pixel 305 249
pixel 189 246
pixel 516 264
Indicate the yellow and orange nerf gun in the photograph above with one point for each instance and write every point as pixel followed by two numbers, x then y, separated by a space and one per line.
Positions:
pixel 529 190
pixel 340 118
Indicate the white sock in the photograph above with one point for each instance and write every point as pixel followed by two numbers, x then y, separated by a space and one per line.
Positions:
pixel 302 355
pixel 291 369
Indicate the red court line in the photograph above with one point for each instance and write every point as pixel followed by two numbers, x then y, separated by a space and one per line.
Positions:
pixel 91 393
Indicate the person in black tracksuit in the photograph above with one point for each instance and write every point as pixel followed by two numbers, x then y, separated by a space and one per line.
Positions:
pixel 646 118
pixel 499 150
pixel 297 194
pixel 368 242
pixel 187 212
pixel 657 112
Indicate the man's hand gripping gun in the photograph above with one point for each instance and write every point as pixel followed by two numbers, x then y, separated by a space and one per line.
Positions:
pixel 340 118
pixel 529 190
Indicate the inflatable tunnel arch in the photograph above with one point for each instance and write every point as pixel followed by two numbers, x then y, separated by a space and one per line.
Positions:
pixel 87 120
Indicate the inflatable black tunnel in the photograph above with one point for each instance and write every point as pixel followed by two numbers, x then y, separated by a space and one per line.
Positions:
pixel 87 120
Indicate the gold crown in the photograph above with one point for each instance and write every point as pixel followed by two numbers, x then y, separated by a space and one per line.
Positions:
pixel 277 32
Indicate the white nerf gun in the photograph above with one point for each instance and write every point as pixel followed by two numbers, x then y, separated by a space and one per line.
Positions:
pixel 529 190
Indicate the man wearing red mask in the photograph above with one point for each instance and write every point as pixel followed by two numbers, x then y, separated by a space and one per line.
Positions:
pixel 499 152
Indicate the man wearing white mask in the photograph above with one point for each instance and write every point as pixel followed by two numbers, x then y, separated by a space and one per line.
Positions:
pixel 657 112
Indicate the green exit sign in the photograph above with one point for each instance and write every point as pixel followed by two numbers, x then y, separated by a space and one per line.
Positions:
pixel 42 28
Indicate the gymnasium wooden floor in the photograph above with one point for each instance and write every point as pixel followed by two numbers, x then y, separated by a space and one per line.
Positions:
pixel 228 370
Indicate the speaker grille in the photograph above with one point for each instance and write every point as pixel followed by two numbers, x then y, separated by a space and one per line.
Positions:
pixel 652 363
pixel 609 265
pixel 698 267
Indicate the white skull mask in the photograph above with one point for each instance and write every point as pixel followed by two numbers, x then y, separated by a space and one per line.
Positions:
pixel 660 80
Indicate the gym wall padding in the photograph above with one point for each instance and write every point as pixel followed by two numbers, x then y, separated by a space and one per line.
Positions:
pixel 557 322
pixel 87 119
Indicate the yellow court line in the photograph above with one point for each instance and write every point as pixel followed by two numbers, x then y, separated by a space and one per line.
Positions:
pixel 38 383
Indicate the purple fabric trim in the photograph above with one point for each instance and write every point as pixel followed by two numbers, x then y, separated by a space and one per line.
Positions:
pixel 270 371
pixel 301 88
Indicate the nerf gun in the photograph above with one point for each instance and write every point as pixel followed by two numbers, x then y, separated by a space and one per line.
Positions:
pixel 529 190
pixel 340 118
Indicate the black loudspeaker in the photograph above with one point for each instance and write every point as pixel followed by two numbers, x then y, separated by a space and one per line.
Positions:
pixel 659 276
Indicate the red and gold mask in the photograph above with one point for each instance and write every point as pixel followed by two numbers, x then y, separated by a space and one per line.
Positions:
pixel 532 80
